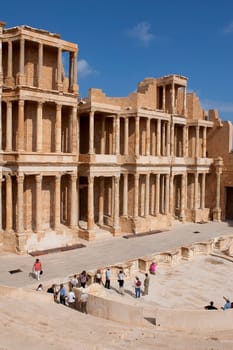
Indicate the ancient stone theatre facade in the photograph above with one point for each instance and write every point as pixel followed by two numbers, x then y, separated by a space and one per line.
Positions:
pixel 85 168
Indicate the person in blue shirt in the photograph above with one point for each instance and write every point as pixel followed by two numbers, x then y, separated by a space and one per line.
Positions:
pixel 227 304
pixel 63 294
pixel 107 278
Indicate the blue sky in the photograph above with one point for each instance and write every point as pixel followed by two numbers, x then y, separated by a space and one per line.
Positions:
pixel 122 42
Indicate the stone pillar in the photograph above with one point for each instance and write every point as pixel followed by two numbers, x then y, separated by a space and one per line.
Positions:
pixel 57 202
pixel 204 143
pixel 74 130
pixel 40 65
pixel 9 127
pixel 9 64
pixel 136 188
pixel 77 134
pixel 21 62
pixel 158 139
pixel 91 133
pixel 148 136
pixel 197 142
pixel 163 153
pixel 73 194
pixel 203 191
pixel 147 197
pixel 102 141
pixel 218 169
pixel 90 219
pixel 59 69
pixel 125 195
pixel 162 186
pixel 187 141
pixel 173 98
pixel 20 204
pixel 171 194
pixel 184 141
pixel 21 125
pixel 126 136
pixel 157 191
pixel 137 135
pixel 101 201
pixel 168 139
pixel 116 225
pixel 74 86
pixel 58 129
pixel 172 138
pixel 1 203
pixel 183 195
pixel 9 204
pixel 38 202
pixel 164 97
pixel 166 204
pixel 39 127
pixel 184 101
pixel 117 134
pixel 195 205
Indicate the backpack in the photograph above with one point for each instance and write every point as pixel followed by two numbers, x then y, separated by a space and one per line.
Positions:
pixel 138 283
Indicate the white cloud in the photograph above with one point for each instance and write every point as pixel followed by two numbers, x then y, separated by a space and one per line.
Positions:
pixel 224 107
pixel 141 32
pixel 228 29
pixel 84 69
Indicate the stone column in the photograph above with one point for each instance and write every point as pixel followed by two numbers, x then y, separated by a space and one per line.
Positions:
pixel 9 64
pixel 57 202
pixel 162 187
pixel 218 169
pixel 125 195
pixel 184 141
pixel 148 136
pixel 91 133
pixel 58 129
pixel 75 74
pixel 137 135
pixel 195 206
pixel 39 127
pixel 116 225
pixel 38 202
pixel 163 139
pixel 74 130
pixel 203 191
pixel 152 195
pixel 173 97
pixel 21 62
pixel 77 134
pixel 157 191
pixel 158 139
pixel 59 69
pixel 147 197
pixel 187 141
pixel 101 201
pixel 90 220
pixel 184 101
pixel 183 195
pixel 40 65
pixel 9 127
pixel 197 142
pixel 136 188
pixel 9 204
pixel 166 204
pixel 168 139
pixel 164 97
pixel 73 194
pixel 20 204
pixel 172 138
pixel 126 136
pixel 204 143
pixel 102 141
pixel 171 194
pixel 117 134
pixel 21 125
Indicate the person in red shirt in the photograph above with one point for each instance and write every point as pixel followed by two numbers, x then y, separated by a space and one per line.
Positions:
pixel 37 268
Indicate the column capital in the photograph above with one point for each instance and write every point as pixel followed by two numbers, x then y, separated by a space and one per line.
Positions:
pixel 38 178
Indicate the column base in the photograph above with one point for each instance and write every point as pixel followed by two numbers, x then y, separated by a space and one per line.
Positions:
pixel 20 240
pixel 116 231
pixel 217 214
pixel 88 235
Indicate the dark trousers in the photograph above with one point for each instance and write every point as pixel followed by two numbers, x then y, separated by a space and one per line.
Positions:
pixel 107 284
pixel 62 299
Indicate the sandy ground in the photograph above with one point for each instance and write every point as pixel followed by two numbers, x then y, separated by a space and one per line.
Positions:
pixel 34 321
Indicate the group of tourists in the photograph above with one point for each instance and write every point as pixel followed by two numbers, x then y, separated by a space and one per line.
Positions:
pixel 227 305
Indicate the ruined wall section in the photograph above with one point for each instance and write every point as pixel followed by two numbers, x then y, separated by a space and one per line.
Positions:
pixel 194 109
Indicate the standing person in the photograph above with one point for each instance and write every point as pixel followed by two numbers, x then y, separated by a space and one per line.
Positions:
pixel 83 279
pixel 63 294
pixel 83 302
pixel 71 299
pixel 146 284
pixel 107 278
pixel 98 277
pixel 121 282
pixel 74 282
pixel 137 287
pixel 153 268
pixel 37 269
